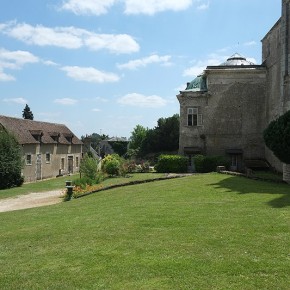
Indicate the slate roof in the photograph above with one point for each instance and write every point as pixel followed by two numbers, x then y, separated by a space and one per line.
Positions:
pixel 35 132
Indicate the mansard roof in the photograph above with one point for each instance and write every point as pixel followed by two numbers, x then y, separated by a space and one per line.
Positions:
pixel 197 85
pixel 35 132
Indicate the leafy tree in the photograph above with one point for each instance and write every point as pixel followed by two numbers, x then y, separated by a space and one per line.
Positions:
pixel 138 135
pixel 150 143
pixel 10 161
pixel 277 137
pixel 163 138
pixel 168 133
pixel 27 113
pixel 119 147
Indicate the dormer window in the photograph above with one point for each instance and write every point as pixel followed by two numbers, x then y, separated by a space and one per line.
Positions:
pixel 55 136
pixel 37 134
pixel 68 137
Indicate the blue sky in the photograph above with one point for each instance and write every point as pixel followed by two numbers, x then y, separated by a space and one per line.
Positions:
pixel 104 66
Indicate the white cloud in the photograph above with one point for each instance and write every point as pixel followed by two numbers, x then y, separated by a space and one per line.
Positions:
pixel 18 57
pixel 5 77
pixel 115 43
pixel 49 63
pixel 89 74
pixel 66 101
pixel 70 38
pixel 16 101
pixel 200 66
pixel 151 7
pixel 96 110
pixel 94 7
pixel 143 62
pixel 139 100
pixel 14 60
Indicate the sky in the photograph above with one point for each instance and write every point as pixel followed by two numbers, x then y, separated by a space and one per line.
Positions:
pixel 105 66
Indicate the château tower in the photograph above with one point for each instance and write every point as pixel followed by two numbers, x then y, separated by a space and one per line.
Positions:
pixel 285 54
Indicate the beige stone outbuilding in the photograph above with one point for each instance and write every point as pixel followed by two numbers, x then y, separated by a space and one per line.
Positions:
pixel 48 149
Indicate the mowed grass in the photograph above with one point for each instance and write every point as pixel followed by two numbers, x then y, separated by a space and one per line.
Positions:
pixel 207 231
pixel 59 183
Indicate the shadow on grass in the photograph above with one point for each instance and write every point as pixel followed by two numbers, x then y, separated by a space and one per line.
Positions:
pixel 243 185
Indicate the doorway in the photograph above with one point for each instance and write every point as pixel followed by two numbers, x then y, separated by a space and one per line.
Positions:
pixel 70 167
pixel 38 167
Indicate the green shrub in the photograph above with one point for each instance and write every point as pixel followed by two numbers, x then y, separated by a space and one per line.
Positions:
pixel 276 137
pixel 112 164
pixel 198 162
pixel 89 167
pixel 128 166
pixel 83 181
pixel 171 163
pixel 205 164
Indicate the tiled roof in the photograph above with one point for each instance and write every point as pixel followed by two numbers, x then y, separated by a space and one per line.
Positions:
pixel 30 132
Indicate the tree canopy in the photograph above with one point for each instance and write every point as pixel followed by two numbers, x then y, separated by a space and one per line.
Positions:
pixel 277 137
pixel 137 137
pixel 163 138
pixel 27 113
pixel 10 161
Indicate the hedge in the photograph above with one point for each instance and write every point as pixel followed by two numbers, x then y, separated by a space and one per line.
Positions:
pixel 171 164
pixel 205 164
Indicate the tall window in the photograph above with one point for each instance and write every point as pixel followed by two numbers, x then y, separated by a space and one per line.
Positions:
pixel 62 164
pixel 77 161
pixel 47 157
pixel 193 117
pixel 28 159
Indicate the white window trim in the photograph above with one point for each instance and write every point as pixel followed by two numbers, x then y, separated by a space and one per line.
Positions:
pixel 194 111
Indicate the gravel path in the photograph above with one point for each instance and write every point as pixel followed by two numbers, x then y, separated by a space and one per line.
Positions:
pixel 31 200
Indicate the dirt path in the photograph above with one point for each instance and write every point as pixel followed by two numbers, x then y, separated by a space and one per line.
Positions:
pixel 31 200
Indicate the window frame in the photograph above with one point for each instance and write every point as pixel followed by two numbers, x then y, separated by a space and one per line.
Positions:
pixel 62 163
pixel 194 118
pixel 28 159
pixel 47 160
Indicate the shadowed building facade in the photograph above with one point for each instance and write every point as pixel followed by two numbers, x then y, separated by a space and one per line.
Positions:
pixel 225 110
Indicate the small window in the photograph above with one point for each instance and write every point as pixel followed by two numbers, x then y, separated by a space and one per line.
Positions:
pixel 193 117
pixel 28 159
pixel 77 161
pixel 62 164
pixel 47 157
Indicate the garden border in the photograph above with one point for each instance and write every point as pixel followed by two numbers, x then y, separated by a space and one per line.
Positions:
pixel 169 176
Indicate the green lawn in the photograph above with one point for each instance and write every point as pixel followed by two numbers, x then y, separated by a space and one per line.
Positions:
pixel 59 183
pixel 209 231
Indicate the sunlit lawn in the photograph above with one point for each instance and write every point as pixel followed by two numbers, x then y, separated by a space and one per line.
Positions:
pixel 209 231
pixel 59 183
